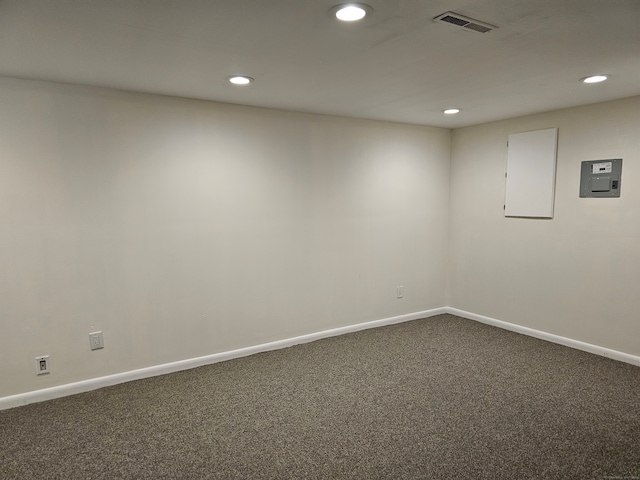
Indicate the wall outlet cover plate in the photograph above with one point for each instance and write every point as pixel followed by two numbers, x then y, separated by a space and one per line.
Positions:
pixel 96 341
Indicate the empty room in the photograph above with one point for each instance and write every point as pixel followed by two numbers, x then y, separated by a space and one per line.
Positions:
pixel 299 239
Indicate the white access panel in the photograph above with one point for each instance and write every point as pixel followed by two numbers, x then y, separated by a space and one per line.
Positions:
pixel 531 174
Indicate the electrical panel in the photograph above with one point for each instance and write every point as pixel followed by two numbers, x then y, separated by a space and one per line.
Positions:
pixel 531 174
pixel 601 178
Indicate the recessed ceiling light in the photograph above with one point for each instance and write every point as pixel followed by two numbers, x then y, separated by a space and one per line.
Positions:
pixel 351 12
pixel 451 111
pixel 240 80
pixel 594 79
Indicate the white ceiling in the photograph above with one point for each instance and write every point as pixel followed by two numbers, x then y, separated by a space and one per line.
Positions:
pixel 398 64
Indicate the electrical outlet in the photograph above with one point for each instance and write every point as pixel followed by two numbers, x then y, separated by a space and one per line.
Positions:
pixel 400 291
pixel 43 365
pixel 96 341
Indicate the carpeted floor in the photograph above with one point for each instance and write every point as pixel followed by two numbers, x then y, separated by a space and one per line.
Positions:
pixel 440 398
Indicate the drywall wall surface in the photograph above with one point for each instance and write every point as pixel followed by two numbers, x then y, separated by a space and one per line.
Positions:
pixel 183 228
pixel 576 275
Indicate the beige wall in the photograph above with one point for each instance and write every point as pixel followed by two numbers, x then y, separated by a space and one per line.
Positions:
pixel 577 275
pixel 183 228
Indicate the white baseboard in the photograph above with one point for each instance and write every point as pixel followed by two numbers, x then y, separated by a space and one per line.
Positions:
pixel 587 347
pixel 95 383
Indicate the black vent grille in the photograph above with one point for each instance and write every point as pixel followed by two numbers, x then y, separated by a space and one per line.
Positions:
pixel 464 22
pixel 477 27
pixel 455 20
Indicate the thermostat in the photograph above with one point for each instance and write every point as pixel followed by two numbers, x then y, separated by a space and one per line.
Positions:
pixel 601 178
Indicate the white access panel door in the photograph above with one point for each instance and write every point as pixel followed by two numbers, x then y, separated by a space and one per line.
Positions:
pixel 531 174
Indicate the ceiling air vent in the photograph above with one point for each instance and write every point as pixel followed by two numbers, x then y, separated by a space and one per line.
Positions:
pixel 464 22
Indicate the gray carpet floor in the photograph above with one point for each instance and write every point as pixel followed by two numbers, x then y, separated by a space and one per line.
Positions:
pixel 439 398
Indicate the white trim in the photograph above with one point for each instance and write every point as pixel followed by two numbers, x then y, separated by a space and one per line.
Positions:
pixel 95 383
pixel 550 337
